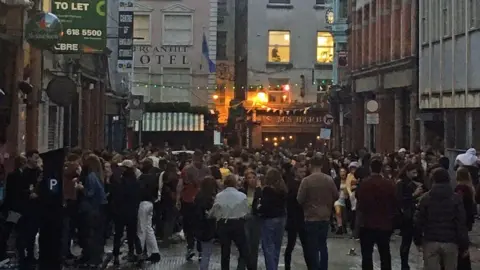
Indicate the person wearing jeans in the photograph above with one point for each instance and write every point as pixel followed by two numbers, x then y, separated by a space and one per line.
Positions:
pixel 272 208
pixel 317 194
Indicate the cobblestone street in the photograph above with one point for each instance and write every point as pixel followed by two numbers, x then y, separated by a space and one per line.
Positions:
pixel 339 259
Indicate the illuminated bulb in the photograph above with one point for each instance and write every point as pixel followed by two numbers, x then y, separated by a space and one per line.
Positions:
pixel 283 138
pixel 276 144
pixel 286 87
pixel 318 137
pixel 290 137
pixel 274 138
pixel 266 139
pixel 284 96
pixel 215 97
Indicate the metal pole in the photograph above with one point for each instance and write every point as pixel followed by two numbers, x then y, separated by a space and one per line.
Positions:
pixel 140 131
pixel 80 109
pixel 342 141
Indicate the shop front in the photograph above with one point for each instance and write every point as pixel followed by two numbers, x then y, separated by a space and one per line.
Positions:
pixel 295 130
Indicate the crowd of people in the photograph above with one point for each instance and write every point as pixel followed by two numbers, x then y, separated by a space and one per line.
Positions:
pixel 250 198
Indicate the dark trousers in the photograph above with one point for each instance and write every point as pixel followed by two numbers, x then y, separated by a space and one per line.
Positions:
pixel 6 231
pixel 233 230
pixel 70 222
pixel 188 214
pixel 94 242
pixel 368 239
pixel 407 239
pixel 253 228
pixel 27 228
pixel 317 250
pixel 167 220
pixel 130 224
pixel 292 234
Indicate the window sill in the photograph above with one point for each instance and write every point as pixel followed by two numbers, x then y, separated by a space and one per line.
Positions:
pixel 319 7
pixel 323 65
pixel 280 6
pixel 279 64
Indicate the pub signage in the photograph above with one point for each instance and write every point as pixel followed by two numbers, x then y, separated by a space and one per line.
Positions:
pixel 162 55
pixel 125 37
pixel 291 120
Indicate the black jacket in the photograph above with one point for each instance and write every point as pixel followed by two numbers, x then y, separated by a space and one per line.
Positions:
pixel 272 203
pixel 125 196
pixel 441 218
pixel 205 226
pixel 405 199
pixel 148 183
pixel 295 218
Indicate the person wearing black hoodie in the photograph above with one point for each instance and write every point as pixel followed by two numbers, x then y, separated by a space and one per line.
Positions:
pixel 440 224
pixel 295 222
pixel 125 200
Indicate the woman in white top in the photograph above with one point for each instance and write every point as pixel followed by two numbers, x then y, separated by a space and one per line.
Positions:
pixel 341 202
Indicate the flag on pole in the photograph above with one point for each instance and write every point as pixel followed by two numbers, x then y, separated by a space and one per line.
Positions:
pixel 205 51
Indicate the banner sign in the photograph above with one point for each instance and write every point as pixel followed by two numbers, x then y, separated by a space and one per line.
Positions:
pixel 125 37
pixel 84 25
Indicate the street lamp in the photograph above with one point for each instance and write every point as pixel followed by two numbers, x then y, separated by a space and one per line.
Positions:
pixel 262 97
pixel 215 97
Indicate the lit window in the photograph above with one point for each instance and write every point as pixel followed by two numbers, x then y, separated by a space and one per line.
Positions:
pixel 141 28
pixel 177 29
pixel 279 46
pixel 325 47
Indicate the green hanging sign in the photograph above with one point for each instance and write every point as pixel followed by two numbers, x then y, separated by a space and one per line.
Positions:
pixel 84 25
pixel 43 31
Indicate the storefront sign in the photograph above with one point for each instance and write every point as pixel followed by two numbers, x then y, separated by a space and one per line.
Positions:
pixel 162 55
pixel 125 37
pixel 84 25
pixel 290 120
pixel 43 31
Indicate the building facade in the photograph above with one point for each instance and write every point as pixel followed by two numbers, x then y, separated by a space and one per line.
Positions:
pixel 383 68
pixel 170 61
pixel 284 51
pixel 449 87
pixel 289 66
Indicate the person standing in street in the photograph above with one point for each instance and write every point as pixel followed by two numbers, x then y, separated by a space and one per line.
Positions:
pixel 376 205
pixel 317 194
pixel 230 209
pixel 440 225
pixel 188 187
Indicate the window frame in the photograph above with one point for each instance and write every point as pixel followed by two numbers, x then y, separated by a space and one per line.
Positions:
pixel 280 2
pixel 289 46
pixel 190 82
pixel 134 86
pixel 190 14
pixel 446 17
pixel 139 41
pixel 318 46
pixel 472 12
pixel 425 37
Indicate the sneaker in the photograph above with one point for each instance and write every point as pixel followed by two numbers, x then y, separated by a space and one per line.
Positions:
pixel 190 254
pixel 154 258
pixel 352 252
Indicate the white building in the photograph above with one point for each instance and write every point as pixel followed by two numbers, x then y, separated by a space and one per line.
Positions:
pixel 289 43
pixel 169 64
pixel 449 85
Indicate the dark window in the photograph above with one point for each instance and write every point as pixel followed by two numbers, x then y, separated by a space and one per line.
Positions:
pixel 52 126
pixel 222 7
pixel 222 45
pixel 279 1
pixel 320 2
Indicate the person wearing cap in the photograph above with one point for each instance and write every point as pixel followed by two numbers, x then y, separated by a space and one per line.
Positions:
pixel 125 196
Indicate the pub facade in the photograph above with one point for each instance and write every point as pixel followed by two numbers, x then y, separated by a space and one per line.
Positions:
pixel 290 127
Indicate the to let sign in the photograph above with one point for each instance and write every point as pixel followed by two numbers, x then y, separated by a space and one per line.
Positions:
pixel 84 25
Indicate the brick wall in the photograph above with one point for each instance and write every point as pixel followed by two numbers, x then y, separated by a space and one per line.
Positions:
pixel 385 132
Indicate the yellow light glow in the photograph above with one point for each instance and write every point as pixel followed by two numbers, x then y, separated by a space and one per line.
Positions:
pixel 286 87
pixel 284 97
pixel 318 137
pixel 290 137
pixel 274 138
pixel 215 97
pixel 262 97
pixel 276 144
pixel 266 139
pixel 283 138
pixel 286 37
